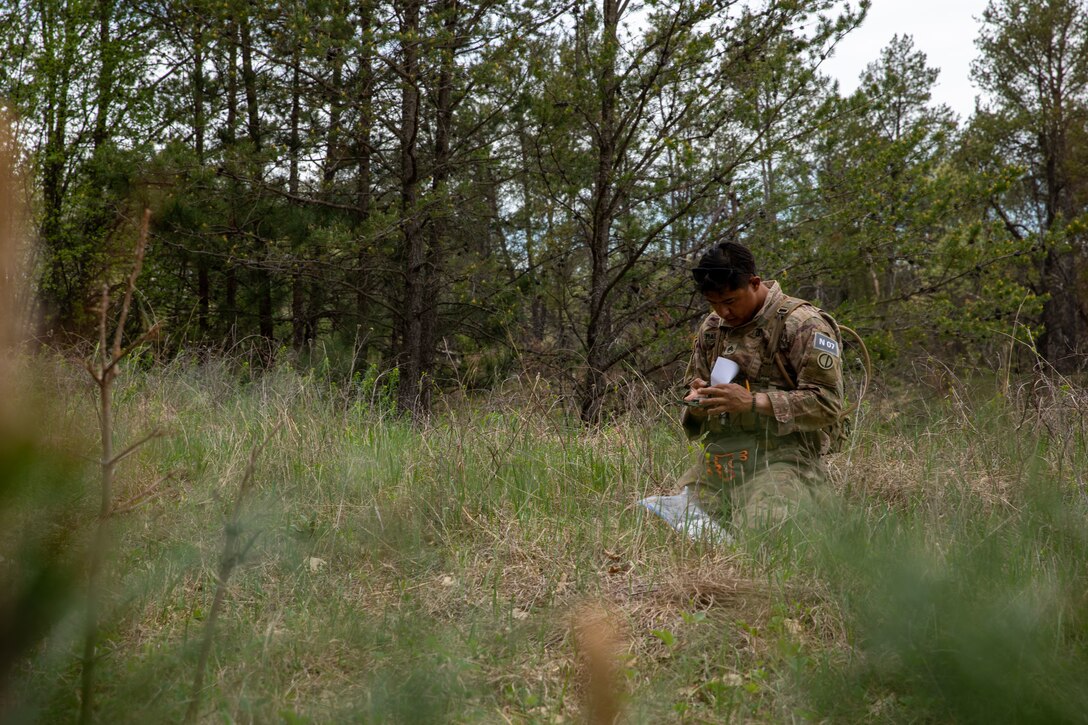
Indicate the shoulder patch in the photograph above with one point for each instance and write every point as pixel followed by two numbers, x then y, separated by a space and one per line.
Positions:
pixel 823 343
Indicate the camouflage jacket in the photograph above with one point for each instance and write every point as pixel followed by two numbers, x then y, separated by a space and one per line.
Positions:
pixel 812 352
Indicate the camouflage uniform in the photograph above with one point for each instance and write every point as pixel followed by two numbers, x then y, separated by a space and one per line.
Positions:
pixel 755 467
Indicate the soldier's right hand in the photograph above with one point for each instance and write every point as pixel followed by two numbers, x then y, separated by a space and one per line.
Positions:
pixel 695 410
pixel 693 388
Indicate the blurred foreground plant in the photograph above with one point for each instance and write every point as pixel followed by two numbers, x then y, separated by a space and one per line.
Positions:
pixel 104 369
pixel 235 548
pixel 38 495
pixel 965 598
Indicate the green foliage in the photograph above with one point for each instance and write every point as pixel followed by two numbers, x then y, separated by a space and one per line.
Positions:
pixel 563 167
pixel 378 389
pixel 1033 68
pixel 900 219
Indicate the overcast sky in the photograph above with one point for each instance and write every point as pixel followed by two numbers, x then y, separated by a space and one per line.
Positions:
pixel 944 30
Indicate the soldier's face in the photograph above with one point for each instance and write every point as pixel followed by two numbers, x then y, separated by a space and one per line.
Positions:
pixel 738 306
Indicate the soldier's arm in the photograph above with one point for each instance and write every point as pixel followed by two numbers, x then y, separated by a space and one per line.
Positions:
pixel 692 419
pixel 816 356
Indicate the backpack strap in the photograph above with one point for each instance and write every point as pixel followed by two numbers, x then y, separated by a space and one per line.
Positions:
pixel 772 356
pixel 716 347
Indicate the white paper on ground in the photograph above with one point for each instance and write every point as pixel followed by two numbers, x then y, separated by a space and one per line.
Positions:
pixel 682 513
pixel 724 371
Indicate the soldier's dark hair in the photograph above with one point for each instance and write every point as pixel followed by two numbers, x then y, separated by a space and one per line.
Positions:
pixel 727 266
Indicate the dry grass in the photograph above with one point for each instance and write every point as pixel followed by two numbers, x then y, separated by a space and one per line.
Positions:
pixel 427 575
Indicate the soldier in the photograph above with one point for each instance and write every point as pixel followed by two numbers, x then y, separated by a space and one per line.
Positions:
pixel 763 434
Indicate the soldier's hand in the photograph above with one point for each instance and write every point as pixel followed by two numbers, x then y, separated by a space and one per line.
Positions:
pixel 693 395
pixel 694 387
pixel 728 398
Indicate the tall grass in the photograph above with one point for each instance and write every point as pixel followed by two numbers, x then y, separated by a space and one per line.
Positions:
pixel 428 574
pixel 962 577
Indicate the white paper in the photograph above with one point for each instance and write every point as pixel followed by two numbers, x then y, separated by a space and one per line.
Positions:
pixel 724 371
pixel 682 513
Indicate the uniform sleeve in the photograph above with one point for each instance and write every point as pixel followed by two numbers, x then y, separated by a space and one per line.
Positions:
pixel 697 368
pixel 815 353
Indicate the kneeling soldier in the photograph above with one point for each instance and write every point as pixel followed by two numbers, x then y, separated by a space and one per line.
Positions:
pixel 765 433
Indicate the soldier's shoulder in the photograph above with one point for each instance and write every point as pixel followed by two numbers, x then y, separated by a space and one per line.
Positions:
pixel 808 316
pixel 710 322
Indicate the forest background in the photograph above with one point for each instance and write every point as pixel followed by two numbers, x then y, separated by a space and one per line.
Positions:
pixel 414 292
pixel 464 191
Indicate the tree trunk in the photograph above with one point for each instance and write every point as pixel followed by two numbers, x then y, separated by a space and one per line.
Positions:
pixel 294 144
pixel 1062 340
pixel 335 55
pixel 598 331
pixel 364 103
pixel 60 289
pixel 537 305
pixel 440 208
pixel 410 395
pixel 203 280
pixel 232 82
pixel 1064 336
pixel 232 301
pixel 107 61
pixel 249 82
pixel 203 294
pixel 231 282
pixel 298 311
pixel 265 321
pixel 198 93
pixel 264 304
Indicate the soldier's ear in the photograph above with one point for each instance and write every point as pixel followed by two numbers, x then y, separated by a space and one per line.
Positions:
pixel 754 280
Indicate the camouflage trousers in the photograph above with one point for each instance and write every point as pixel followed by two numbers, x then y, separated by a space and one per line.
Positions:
pixel 738 482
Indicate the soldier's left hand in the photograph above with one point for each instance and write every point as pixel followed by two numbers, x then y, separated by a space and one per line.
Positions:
pixel 728 398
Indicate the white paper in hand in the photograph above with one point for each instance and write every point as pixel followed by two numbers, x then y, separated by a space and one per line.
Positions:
pixel 724 371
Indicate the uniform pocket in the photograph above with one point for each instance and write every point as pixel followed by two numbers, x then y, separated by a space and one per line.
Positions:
pixel 727 461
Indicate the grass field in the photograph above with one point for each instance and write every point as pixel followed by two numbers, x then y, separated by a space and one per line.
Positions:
pixel 438 574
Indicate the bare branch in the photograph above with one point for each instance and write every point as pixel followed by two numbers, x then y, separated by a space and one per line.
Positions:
pixel 157 433
pixel 142 496
pixel 103 310
pixel 137 265
pixel 151 333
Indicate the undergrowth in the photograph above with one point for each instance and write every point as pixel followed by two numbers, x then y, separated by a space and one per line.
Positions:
pixel 419 574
